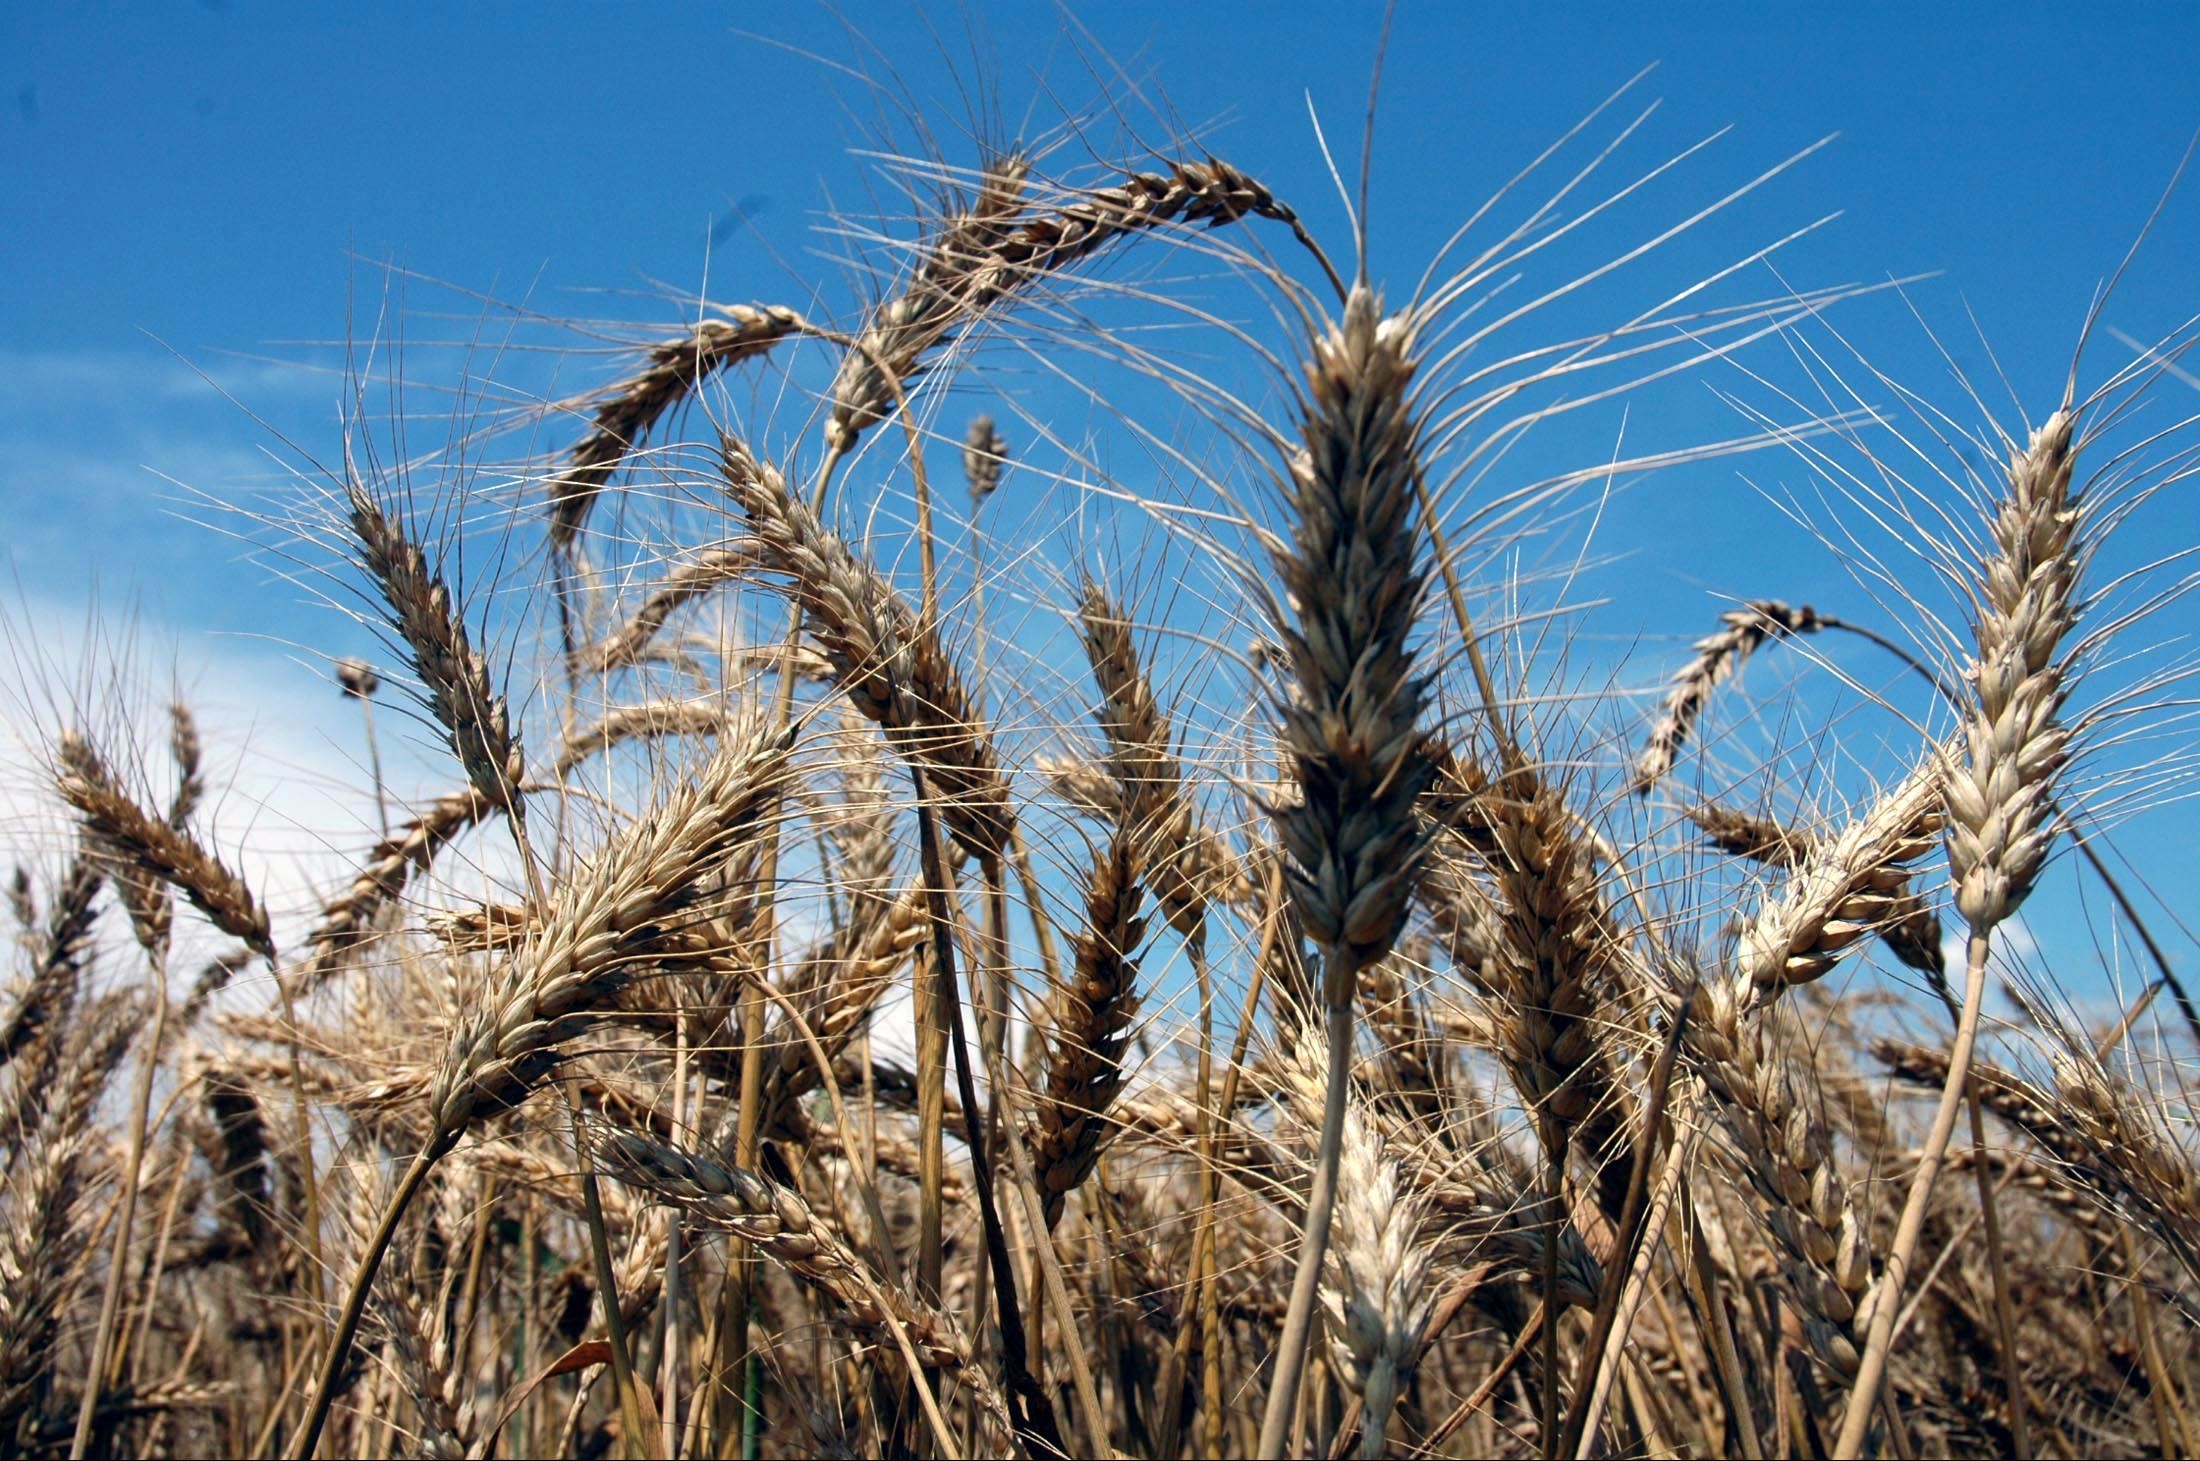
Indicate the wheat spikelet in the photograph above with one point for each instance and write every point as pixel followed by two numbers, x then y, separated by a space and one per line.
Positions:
pixel 1351 730
pixel 988 250
pixel 185 748
pixel 348 919
pixel 893 668
pixel 1553 964
pixel 1906 923
pixel 1155 808
pixel 44 1190
pixel 1718 657
pixel 148 844
pixel 939 297
pixel 677 368
pixel 1786 1151
pixel 691 578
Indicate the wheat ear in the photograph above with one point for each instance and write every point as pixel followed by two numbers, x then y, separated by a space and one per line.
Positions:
pixel 1845 887
pixel 892 666
pixel 1718 656
pixel 1350 722
pixel 573 961
pixel 456 678
pixel 1088 1020
pixel 676 369
pixel 126 831
pixel 984 459
pixel 2000 793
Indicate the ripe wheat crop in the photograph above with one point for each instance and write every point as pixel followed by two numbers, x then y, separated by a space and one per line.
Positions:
pixel 954 932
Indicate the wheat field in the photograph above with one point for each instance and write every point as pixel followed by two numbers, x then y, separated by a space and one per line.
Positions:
pixel 1031 863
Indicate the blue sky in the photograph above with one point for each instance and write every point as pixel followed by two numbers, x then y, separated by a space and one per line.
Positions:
pixel 201 199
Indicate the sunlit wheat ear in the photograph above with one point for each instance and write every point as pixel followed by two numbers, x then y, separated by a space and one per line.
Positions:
pixel 184 747
pixel 1903 917
pixel 121 829
pixel 984 459
pixel 1845 887
pixel 1379 1294
pixel 1088 1021
pixel 687 580
pixel 943 292
pixel 892 666
pixel 456 678
pixel 997 245
pixel 2001 794
pixel 560 980
pixel 1786 1149
pixel 1354 578
pixel 630 409
pixel 1718 657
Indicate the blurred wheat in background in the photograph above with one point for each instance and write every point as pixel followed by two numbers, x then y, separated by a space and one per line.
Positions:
pixel 1031 865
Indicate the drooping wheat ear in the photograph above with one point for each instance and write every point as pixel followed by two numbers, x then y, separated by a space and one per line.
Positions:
pixel 584 947
pixel 1353 576
pixel 892 666
pixel 688 580
pixel 783 1227
pixel 1907 923
pixel 1088 1021
pixel 144 895
pixel 1845 887
pixel 1771 1110
pixel 431 1386
pixel 2024 1106
pixel 1718 656
pixel 2132 1143
pixel 460 696
pixel 985 459
pixel 938 298
pixel 994 247
pixel 1379 1294
pixel 57 961
pixel 122 829
pixel 676 368
pixel 183 745
pixel 47 1226
pixel 1156 810
pixel 2001 795
pixel 347 920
